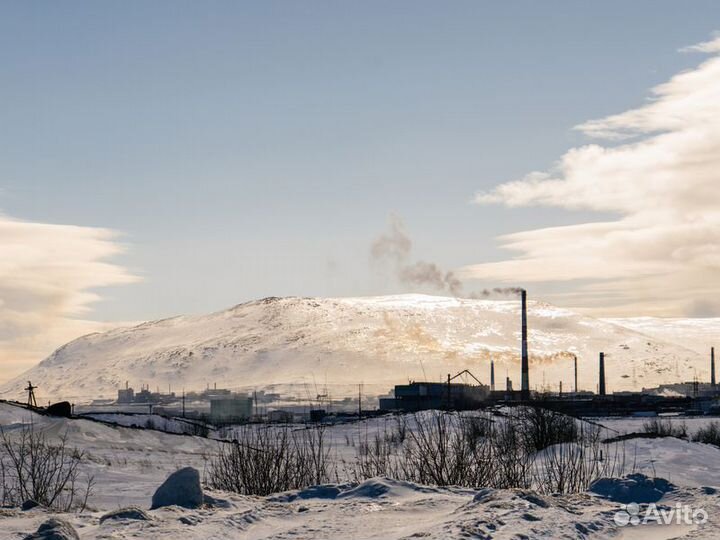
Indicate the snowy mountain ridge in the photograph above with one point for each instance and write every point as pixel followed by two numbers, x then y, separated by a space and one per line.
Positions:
pixel 286 344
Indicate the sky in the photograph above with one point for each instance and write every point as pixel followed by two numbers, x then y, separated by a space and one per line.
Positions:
pixel 168 157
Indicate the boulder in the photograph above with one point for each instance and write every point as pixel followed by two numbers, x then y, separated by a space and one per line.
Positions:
pixel 54 529
pixel 131 512
pixel 181 488
pixel 29 505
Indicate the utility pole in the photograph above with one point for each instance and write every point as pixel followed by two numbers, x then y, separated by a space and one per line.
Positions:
pixel 183 402
pixel 31 395
pixel 359 400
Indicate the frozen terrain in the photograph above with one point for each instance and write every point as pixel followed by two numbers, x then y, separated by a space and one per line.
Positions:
pixel 129 464
pixel 290 345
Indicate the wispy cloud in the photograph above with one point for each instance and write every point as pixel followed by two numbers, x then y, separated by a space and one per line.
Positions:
pixel 48 274
pixel 661 176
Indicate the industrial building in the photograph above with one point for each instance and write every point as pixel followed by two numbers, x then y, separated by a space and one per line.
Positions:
pixel 418 396
pixel 230 408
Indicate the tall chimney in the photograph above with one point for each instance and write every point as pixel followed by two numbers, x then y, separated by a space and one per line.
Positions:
pixel 492 375
pixel 575 361
pixel 601 387
pixel 712 367
pixel 525 381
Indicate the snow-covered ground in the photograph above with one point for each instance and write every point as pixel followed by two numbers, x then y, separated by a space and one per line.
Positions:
pixel 129 464
pixel 301 347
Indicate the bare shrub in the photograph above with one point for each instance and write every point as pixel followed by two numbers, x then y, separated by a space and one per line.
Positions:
pixel 542 427
pixel 710 434
pixel 475 451
pixel 197 429
pixel 265 461
pixel 32 467
pixel 512 459
pixel 374 457
pixel 572 467
pixel 664 427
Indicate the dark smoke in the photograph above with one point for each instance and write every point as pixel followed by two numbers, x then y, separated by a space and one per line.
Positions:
pixel 497 291
pixel 395 247
pixel 424 273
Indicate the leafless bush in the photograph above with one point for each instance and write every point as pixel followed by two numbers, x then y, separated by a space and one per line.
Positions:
pixel 400 429
pixel 542 427
pixel 475 451
pixel 197 429
pixel 664 427
pixel 374 457
pixel 572 467
pixel 710 434
pixel 264 461
pixel 512 459
pixel 32 467
pixel 437 448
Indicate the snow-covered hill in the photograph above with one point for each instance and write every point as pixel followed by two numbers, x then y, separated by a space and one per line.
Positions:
pixel 297 344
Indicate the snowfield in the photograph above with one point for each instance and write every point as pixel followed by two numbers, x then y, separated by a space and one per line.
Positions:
pixel 129 464
pixel 292 345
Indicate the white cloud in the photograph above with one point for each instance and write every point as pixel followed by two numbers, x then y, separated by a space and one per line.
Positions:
pixel 662 253
pixel 48 274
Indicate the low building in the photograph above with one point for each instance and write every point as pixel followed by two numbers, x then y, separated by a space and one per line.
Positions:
pixel 280 417
pixel 230 408
pixel 418 396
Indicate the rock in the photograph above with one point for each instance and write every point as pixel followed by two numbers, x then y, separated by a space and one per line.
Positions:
pixel 181 488
pixel 484 495
pixel 214 502
pixel 131 512
pixel 533 498
pixel 29 505
pixel 636 488
pixel 54 529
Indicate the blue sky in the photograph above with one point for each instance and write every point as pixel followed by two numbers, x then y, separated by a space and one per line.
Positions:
pixel 247 149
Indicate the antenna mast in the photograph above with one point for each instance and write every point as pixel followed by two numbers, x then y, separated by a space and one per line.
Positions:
pixel 31 395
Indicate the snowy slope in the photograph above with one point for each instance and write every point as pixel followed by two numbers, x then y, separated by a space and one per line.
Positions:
pixel 698 334
pixel 129 465
pixel 299 343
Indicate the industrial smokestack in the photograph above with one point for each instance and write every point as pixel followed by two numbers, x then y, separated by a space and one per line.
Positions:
pixel 525 381
pixel 575 361
pixel 492 376
pixel 601 386
pixel 712 367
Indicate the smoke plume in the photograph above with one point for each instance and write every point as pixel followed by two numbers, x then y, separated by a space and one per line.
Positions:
pixel 394 248
pixel 496 291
